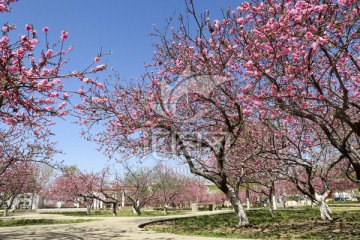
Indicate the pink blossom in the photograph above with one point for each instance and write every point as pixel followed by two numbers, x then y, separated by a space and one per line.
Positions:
pixel 217 24
pixel 45 29
pixel 3 8
pixel 100 85
pixel 97 59
pixel 321 97
pixel 62 105
pixel 314 45
pixel 247 111
pixel 148 124
pixel 100 67
pixel 56 81
pixel 54 94
pixel 43 83
pixel 308 36
pixel 64 35
pixel 48 53
pixel 303 105
pixel 28 27
pixel 346 2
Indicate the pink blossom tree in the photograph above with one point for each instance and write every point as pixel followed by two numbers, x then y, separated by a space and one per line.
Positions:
pixel 75 187
pixel 171 188
pixel 19 178
pixel 137 185
pixel 30 88
pixel 109 190
pixel 303 56
pixel 19 144
pixel 310 163
pixel 208 95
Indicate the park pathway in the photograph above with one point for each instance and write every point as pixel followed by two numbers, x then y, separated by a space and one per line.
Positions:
pixel 104 228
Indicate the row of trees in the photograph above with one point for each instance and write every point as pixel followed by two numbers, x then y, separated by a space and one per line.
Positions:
pixel 270 92
pixel 158 186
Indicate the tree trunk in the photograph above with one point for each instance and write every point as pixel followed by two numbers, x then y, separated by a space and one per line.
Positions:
pixel 6 212
pixel 236 204
pixel 136 208
pixel 325 211
pixel 248 197
pixel 88 210
pixel 166 209
pixel 272 200
pixel 114 206
pixel 283 200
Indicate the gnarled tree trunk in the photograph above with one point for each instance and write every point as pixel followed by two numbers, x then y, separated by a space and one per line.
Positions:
pixel 325 211
pixel 236 204
pixel 136 209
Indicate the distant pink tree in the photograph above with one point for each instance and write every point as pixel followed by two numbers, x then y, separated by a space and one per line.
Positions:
pixel 138 186
pixel 75 187
pixel 17 179
pixel 173 188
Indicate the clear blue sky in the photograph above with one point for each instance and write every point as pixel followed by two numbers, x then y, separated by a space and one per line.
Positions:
pixel 117 25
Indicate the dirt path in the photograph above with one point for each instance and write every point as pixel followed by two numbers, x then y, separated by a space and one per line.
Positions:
pixel 105 228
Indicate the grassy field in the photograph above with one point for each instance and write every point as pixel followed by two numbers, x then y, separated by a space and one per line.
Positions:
pixel 128 213
pixel 25 222
pixel 302 223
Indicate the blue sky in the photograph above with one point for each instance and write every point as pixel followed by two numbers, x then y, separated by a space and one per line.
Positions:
pixel 121 26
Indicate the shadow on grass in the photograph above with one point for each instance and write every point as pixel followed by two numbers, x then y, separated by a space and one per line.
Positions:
pixel 289 224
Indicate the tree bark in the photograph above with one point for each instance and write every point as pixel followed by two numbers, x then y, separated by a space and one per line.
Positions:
pixel 238 208
pixel 136 207
pixel 166 209
pixel 325 211
pixel 248 205
pixel 88 210
pixel 6 212
pixel 272 200
pixel 114 206
pixel 137 210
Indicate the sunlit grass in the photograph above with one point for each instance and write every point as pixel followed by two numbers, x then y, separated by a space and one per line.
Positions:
pixel 304 223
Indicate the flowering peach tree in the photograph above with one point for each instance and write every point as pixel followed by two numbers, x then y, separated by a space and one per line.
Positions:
pixel 210 94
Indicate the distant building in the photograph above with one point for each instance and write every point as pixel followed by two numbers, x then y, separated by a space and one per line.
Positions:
pixel 26 201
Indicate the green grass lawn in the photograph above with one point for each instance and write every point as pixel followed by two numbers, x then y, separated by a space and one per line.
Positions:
pixel 25 222
pixel 129 213
pixel 302 223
